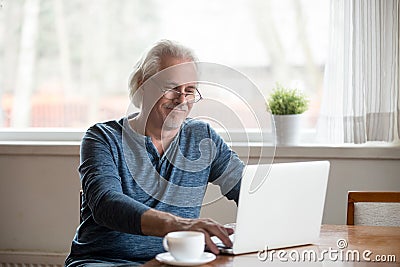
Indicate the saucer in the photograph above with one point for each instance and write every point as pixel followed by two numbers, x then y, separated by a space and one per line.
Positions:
pixel 168 259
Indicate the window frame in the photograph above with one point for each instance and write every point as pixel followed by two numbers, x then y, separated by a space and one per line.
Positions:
pixel 250 135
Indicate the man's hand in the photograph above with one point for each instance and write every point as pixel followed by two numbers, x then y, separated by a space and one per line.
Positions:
pixel 210 228
pixel 158 223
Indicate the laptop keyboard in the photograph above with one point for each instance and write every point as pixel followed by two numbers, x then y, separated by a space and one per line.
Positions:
pixel 219 243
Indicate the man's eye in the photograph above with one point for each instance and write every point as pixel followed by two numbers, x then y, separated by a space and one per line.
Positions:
pixel 171 89
pixel 190 90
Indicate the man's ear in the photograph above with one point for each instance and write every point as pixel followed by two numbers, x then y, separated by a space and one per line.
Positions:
pixel 140 84
pixel 138 96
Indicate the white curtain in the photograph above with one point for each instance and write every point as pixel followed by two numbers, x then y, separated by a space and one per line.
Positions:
pixel 361 99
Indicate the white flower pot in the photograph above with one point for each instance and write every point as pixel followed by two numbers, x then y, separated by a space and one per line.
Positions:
pixel 287 129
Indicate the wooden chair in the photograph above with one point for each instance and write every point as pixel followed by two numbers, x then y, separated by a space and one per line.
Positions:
pixel 373 208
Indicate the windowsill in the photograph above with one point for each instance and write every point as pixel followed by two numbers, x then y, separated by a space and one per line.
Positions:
pixel 308 151
pixel 320 151
pixel 44 148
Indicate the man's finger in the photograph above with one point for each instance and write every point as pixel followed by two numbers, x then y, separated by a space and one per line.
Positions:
pixel 211 246
pixel 229 230
pixel 222 234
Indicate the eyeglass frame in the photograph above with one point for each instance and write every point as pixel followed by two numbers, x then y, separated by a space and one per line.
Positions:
pixel 178 94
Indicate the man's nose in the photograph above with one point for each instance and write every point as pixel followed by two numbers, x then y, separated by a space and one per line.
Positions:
pixel 182 97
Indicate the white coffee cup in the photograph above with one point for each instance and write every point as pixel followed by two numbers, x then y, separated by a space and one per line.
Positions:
pixel 185 245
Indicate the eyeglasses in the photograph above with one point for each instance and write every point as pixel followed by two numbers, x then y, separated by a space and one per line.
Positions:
pixel 191 97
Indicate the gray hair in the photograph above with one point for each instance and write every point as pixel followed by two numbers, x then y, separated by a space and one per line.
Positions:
pixel 150 63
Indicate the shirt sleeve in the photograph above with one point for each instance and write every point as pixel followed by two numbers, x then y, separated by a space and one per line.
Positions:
pixel 102 187
pixel 226 168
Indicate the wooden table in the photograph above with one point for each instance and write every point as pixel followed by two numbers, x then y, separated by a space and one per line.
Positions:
pixel 373 244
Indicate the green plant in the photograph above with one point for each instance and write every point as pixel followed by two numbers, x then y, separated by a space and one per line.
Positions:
pixel 286 101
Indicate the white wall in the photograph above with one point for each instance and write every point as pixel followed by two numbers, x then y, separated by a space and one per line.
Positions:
pixel 39 202
pixel 39 190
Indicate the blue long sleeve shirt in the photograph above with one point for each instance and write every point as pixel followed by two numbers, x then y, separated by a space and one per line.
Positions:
pixel 123 175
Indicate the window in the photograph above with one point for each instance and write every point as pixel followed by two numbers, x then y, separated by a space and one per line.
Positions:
pixel 66 64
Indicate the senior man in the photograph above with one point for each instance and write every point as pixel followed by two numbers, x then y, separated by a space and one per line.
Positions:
pixel 145 175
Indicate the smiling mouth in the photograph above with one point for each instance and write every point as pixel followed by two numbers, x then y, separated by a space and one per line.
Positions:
pixel 178 108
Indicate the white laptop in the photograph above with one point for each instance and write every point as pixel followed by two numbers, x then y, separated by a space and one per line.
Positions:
pixel 280 205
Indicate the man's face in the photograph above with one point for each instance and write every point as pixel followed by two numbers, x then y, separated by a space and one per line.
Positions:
pixel 166 112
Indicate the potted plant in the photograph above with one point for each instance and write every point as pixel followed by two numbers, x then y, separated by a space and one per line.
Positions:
pixel 286 106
